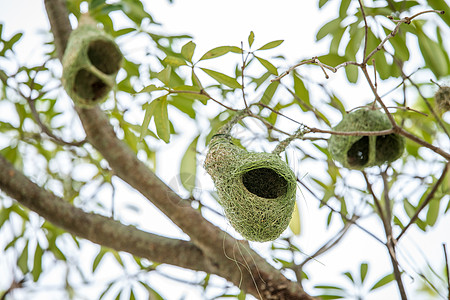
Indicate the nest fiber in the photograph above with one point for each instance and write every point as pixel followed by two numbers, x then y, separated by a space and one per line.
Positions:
pixel 90 65
pixel 256 190
pixel 442 97
pixel 359 152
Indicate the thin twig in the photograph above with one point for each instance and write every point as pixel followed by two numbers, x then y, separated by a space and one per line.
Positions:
pixel 365 28
pixel 244 61
pixel 447 272
pixel 426 201
pixel 390 242
pixel 202 92
pixel 436 117
pixel 340 213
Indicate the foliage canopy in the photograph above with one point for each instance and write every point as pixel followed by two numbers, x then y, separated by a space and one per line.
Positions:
pixel 61 165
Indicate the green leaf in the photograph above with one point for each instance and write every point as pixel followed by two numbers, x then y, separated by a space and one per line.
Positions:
pixel 433 54
pixel 162 119
pixel 188 50
pixel 300 89
pixel 22 261
pixel 164 75
pixel 343 8
pixel 10 44
pixel 322 3
pixel 188 167
pixel 349 276
pixel 271 68
pixel 399 44
pixel 219 51
pixel 269 92
pixel 189 88
pixel 383 281
pixel 98 259
pixel 222 78
pixel 441 5
pixel 363 271
pixel 433 212
pixel 184 104
pixel 37 265
pixel 271 45
pixel 352 73
pixel 174 61
pixel 328 28
pixel 149 110
pixel 251 38
pixel 151 88
pixel 295 224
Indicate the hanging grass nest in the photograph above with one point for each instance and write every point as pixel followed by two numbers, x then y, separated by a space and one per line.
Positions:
pixel 90 64
pixel 442 98
pixel 359 152
pixel 256 190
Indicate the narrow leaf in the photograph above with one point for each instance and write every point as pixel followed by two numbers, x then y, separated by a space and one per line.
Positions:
pixel 151 88
pixel 149 109
pixel 219 51
pixel 295 224
pixel 222 78
pixel 188 50
pixel 251 38
pixel 188 167
pixel 271 68
pixel 382 282
pixel 22 261
pixel 433 212
pixel 97 259
pixel 162 119
pixel 269 92
pixel 164 75
pixel 174 61
pixel 271 45
pixel 37 265
pixel 363 271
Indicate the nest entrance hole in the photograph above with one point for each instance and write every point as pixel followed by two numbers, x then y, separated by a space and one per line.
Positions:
pixel 104 56
pixel 265 183
pixel 88 86
pixel 358 154
pixel 387 147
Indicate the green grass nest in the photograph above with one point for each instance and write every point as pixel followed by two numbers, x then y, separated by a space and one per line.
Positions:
pixel 359 152
pixel 256 190
pixel 90 65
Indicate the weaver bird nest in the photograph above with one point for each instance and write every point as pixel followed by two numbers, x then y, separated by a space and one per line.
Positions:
pixel 90 64
pixel 256 190
pixel 442 98
pixel 359 152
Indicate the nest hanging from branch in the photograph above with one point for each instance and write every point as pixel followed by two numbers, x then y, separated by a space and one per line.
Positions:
pixel 90 64
pixel 256 190
pixel 359 152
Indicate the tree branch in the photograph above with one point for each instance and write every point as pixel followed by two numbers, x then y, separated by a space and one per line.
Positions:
pixel 97 228
pixel 261 278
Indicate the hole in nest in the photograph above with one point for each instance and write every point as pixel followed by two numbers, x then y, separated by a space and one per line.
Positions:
pixel 265 183
pixel 387 147
pixel 88 86
pixel 104 56
pixel 358 155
